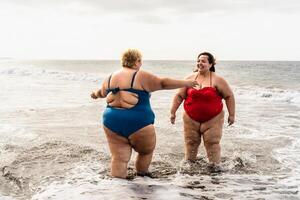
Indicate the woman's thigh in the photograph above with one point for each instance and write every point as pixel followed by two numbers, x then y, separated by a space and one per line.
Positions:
pixel 143 141
pixel 191 129
pixel 119 146
pixel 212 129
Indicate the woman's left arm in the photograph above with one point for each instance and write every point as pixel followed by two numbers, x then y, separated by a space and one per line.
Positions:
pixel 228 95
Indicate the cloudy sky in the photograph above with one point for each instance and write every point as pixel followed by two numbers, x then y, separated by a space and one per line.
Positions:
pixel 161 29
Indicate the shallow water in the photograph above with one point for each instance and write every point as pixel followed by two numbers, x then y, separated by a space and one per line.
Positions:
pixel 52 145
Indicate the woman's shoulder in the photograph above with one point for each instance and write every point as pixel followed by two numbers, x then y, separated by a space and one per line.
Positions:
pixel 141 71
pixel 115 73
pixel 217 78
pixel 191 76
pixel 145 74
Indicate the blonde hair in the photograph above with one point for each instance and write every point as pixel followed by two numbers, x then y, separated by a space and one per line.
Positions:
pixel 130 56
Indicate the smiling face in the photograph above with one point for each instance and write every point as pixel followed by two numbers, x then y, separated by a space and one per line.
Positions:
pixel 203 64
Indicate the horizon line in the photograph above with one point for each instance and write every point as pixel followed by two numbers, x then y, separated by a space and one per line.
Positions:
pixel 82 59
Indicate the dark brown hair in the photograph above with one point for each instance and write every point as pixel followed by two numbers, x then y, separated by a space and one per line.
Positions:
pixel 211 60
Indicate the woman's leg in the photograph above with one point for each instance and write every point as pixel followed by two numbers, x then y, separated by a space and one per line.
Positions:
pixel 192 137
pixel 212 134
pixel 143 141
pixel 120 150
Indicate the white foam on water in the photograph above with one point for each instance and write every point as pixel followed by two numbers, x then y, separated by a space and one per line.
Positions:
pixel 84 182
pixel 288 156
pixel 296 99
pixel 33 72
pixel 268 94
pixel 241 131
pixel 6 198
pixel 21 93
pixel 11 137
pixel 12 134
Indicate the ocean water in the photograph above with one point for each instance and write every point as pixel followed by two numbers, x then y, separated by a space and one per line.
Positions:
pixel 52 145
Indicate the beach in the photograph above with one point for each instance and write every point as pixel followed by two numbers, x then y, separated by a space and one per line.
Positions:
pixel 52 145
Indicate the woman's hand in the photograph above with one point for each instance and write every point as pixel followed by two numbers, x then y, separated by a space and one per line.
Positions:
pixel 94 95
pixel 172 118
pixel 230 120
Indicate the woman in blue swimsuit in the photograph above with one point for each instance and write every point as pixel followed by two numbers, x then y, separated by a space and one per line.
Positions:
pixel 128 118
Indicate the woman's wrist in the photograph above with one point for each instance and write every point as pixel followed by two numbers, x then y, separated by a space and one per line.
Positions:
pixel 98 93
pixel 232 115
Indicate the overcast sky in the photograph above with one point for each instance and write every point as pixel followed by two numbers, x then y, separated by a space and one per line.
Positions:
pixel 161 29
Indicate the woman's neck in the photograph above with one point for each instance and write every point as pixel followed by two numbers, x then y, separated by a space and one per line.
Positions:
pixel 135 68
pixel 205 74
pixel 130 69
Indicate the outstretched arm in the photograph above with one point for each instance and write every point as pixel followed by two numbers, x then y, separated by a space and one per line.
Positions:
pixel 153 83
pixel 228 95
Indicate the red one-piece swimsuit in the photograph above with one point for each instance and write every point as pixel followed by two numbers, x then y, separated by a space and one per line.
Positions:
pixel 203 104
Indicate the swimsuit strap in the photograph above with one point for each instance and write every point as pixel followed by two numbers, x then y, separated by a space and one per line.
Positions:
pixel 108 86
pixel 210 78
pixel 117 89
pixel 196 76
pixel 133 77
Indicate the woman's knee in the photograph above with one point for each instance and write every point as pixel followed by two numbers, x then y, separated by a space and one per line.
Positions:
pixel 192 142
pixel 192 137
pixel 146 150
pixel 213 142
pixel 120 158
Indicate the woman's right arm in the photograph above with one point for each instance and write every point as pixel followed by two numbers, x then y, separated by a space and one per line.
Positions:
pixel 177 100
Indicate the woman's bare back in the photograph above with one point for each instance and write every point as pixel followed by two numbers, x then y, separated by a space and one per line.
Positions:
pixel 123 80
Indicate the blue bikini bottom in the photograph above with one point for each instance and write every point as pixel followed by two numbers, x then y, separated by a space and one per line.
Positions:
pixel 124 122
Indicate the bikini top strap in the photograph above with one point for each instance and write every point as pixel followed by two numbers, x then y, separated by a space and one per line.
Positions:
pixel 133 77
pixel 108 86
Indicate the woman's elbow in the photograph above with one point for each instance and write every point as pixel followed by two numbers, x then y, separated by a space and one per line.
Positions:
pixel 167 83
pixel 228 96
pixel 164 83
pixel 178 98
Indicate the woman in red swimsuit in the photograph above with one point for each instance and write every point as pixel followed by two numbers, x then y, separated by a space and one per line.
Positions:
pixel 204 115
